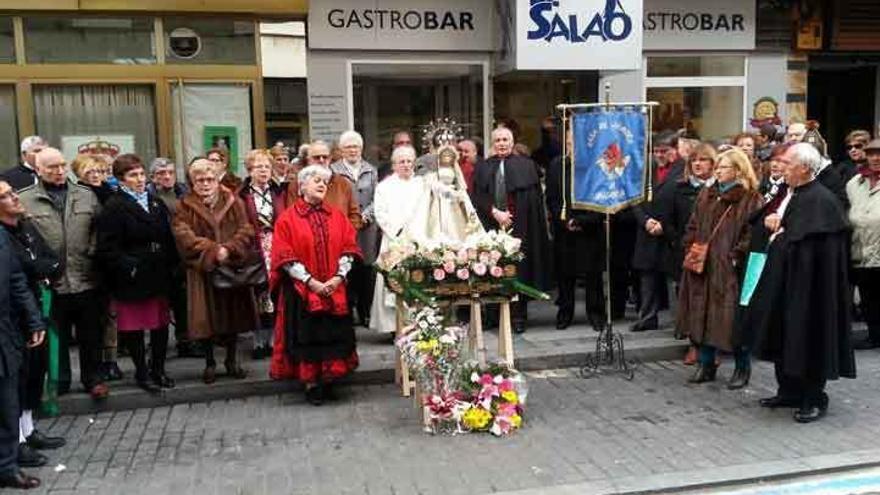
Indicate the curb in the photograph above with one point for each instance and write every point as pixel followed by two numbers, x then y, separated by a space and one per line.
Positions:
pixel 720 478
pixel 127 398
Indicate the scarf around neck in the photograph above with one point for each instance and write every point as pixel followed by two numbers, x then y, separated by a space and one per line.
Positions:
pixel 142 198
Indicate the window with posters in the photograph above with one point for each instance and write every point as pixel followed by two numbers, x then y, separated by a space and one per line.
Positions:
pixel 701 94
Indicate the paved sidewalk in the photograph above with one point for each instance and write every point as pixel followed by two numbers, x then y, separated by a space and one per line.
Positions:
pixel 602 435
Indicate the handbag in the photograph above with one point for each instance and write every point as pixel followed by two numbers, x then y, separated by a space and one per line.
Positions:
pixel 695 258
pixel 232 277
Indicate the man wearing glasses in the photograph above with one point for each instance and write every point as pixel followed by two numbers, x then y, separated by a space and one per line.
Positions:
pixel 338 194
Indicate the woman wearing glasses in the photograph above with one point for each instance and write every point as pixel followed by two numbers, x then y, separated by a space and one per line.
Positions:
pixel 710 290
pixel 219 158
pixel 212 230
pixel 856 141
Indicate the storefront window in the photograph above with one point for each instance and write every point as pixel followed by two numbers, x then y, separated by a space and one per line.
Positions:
pixel 707 112
pixel 404 96
pixel 209 41
pixel 7 41
pixel 113 40
pixel 8 128
pixel 716 65
pixel 702 95
pixel 121 118
pixel 212 115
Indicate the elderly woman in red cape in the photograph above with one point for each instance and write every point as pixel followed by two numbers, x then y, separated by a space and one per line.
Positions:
pixel 313 250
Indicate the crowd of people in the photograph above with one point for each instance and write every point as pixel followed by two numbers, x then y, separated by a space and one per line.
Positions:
pixel 752 242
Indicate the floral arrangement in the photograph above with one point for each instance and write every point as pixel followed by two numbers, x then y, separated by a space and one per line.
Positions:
pixel 498 395
pixel 458 395
pixel 484 263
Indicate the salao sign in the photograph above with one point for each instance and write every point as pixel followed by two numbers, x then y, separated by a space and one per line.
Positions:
pixel 578 34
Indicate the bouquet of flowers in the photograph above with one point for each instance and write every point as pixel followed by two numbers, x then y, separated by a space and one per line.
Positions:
pixel 484 263
pixel 433 352
pixel 497 399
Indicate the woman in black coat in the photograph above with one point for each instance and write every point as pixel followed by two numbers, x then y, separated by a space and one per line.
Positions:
pixel 136 253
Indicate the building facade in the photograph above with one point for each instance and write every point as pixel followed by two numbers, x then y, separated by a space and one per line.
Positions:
pixel 158 78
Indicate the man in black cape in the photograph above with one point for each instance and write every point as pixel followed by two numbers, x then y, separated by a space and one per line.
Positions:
pixel 507 195
pixel 800 310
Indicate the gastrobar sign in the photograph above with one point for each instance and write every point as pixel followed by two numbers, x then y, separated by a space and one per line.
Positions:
pixel 578 34
pixel 699 25
pixel 461 25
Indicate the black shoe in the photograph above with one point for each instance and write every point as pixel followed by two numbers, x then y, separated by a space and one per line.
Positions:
pixel 704 374
pixel 259 353
pixel 597 321
pixel 365 322
pixel 328 391
pixel 808 414
pixel 739 379
pixel 864 345
pixel 41 442
pixel 563 319
pixel 162 380
pixel 777 402
pixel 315 395
pixel 113 371
pixel 519 327
pixel 147 385
pixel 641 326
pixel 28 457
pixel 19 481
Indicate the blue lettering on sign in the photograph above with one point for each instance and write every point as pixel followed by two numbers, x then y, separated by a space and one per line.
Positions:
pixel 612 24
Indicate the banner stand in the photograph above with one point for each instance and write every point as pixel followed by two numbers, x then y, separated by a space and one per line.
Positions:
pixel 609 356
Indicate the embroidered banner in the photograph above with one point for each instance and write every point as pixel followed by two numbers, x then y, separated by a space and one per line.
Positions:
pixel 609 149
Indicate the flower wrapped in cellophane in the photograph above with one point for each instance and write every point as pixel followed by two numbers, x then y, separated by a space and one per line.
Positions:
pixel 498 396
pixel 433 352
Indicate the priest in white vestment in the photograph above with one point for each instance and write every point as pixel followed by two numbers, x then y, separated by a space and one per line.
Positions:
pixel 394 205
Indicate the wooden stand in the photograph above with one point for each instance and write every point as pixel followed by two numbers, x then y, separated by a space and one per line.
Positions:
pixel 476 343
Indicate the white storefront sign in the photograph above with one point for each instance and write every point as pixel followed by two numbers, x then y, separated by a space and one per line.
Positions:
pixel 578 34
pixel 401 25
pixel 699 25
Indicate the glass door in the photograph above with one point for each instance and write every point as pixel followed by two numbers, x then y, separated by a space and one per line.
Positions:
pixel 391 97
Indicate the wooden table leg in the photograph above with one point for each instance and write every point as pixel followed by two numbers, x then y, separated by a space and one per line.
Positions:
pixel 505 337
pixel 476 340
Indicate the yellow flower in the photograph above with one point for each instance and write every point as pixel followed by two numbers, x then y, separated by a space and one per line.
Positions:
pixel 516 420
pixel 476 418
pixel 510 396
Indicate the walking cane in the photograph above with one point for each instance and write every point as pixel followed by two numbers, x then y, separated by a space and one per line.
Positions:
pixel 50 400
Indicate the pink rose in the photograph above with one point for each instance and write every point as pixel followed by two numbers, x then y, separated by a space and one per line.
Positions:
pixel 479 269
pixel 449 266
pixel 495 255
pixel 484 258
pixel 472 254
pixel 506 385
pixel 462 257
pixel 439 274
pixel 448 256
pixel 496 271
pixel 463 274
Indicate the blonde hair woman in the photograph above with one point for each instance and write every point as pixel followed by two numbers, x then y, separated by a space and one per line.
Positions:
pixel 708 298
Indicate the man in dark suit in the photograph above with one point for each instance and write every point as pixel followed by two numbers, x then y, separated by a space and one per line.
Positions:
pixel 15 299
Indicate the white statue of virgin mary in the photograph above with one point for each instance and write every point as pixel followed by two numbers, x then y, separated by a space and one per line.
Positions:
pixel 445 212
